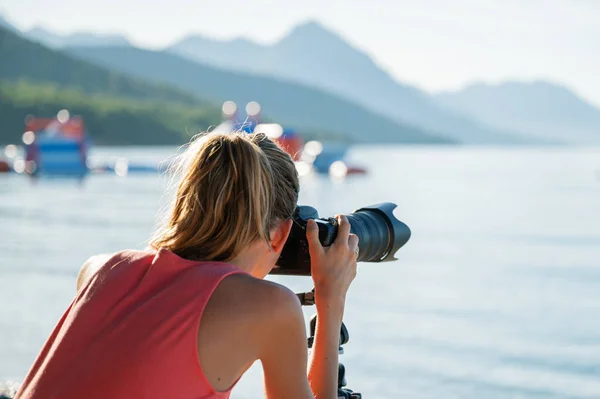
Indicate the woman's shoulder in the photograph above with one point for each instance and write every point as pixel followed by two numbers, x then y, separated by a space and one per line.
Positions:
pixel 250 291
pixel 246 309
pixel 256 304
pixel 95 262
pixel 243 320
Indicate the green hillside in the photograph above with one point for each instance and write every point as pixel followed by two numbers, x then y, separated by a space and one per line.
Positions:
pixel 109 119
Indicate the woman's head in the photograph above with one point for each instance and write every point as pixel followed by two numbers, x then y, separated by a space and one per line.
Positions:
pixel 234 190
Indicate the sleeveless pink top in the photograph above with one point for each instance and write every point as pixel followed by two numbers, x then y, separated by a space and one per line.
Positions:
pixel 131 333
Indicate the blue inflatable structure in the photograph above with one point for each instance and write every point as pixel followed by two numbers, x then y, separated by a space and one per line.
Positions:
pixel 55 146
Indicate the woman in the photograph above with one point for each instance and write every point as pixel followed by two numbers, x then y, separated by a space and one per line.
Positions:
pixel 187 317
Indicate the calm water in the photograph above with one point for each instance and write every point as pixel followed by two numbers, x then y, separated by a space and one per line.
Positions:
pixel 497 295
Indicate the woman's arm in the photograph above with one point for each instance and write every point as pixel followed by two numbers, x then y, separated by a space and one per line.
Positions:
pixel 323 366
pixel 282 331
pixel 333 269
pixel 284 350
pixel 284 355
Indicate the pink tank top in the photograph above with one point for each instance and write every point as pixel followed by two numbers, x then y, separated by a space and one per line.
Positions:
pixel 131 333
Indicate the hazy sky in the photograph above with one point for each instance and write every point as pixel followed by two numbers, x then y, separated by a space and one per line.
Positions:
pixel 432 44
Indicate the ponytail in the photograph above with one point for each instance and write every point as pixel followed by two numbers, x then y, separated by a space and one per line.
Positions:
pixel 233 189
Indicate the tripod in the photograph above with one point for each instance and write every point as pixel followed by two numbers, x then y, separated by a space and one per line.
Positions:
pixel 308 299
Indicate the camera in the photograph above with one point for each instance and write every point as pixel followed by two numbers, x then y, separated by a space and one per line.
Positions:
pixel 379 233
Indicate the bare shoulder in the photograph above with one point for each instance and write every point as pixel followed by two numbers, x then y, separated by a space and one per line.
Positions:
pixel 249 293
pixel 262 309
pixel 90 267
pixel 246 319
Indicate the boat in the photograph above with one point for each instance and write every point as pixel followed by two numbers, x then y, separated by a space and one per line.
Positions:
pixel 310 157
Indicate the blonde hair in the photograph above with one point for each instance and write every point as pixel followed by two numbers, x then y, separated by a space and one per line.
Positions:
pixel 234 188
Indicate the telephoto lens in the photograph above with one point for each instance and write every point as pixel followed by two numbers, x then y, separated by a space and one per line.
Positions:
pixel 379 233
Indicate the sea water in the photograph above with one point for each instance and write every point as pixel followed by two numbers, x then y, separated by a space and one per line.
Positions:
pixel 496 295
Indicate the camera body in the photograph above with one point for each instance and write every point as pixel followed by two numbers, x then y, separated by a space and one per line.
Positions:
pixel 380 235
pixel 327 226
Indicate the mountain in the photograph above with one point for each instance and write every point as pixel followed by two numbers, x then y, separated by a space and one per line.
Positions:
pixel 302 107
pixel 87 39
pixel 311 54
pixel 229 55
pixel 540 109
pixel 7 25
pixel 24 59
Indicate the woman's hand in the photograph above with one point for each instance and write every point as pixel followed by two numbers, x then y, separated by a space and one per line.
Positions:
pixel 333 268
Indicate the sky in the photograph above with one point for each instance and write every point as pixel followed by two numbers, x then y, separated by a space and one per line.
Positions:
pixel 435 45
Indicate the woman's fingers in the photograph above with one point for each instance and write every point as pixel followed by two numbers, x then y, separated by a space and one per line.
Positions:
pixel 312 235
pixel 343 230
pixel 353 243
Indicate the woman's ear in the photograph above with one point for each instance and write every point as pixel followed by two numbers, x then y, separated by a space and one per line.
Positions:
pixel 279 235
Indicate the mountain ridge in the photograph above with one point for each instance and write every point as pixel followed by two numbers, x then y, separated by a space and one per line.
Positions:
pixel 313 55
pixel 58 41
pixel 540 108
pixel 408 106
pixel 4 23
